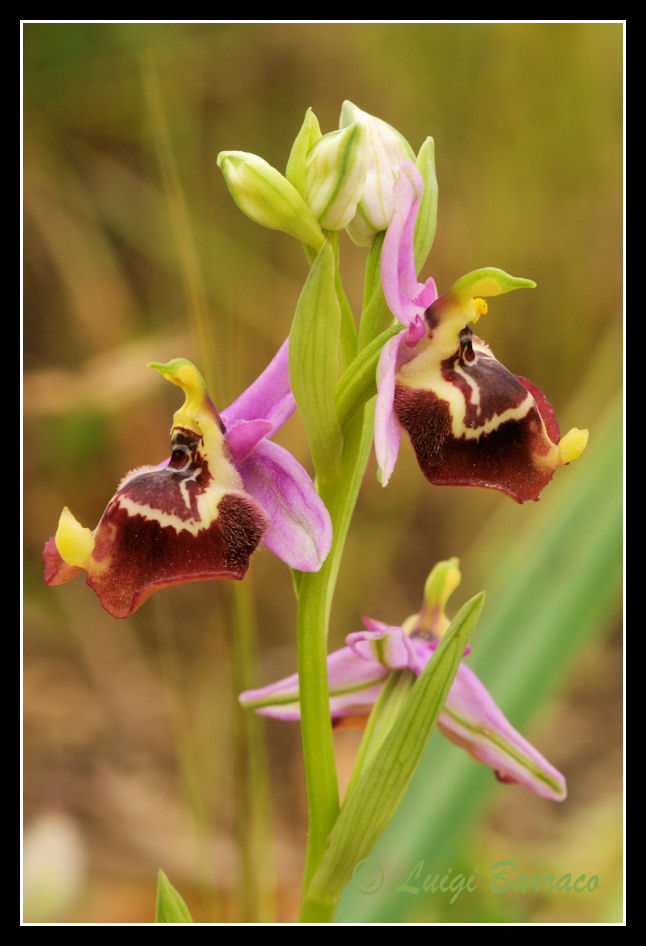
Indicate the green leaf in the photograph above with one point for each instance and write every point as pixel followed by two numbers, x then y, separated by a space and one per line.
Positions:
pixel 170 907
pixel 314 362
pixel 368 808
pixel 394 695
pixel 358 383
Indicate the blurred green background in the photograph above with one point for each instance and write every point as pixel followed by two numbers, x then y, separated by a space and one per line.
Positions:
pixel 134 251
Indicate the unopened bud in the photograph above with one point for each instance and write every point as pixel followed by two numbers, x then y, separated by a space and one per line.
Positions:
pixel 267 197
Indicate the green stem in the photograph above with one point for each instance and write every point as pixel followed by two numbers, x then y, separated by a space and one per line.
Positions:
pixel 316 590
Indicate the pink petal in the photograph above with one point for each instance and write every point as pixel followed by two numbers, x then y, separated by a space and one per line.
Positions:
pixel 390 646
pixel 354 686
pixel 472 720
pixel 300 529
pixel 387 434
pixel 405 295
pixel 244 435
pixel 268 398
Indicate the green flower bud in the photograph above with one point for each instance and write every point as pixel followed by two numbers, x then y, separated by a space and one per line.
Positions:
pixel 431 620
pixel 439 586
pixel 386 150
pixel 335 175
pixel 264 195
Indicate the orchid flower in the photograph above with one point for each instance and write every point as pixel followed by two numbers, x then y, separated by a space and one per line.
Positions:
pixel 471 422
pixel 471 719
pixel 201 513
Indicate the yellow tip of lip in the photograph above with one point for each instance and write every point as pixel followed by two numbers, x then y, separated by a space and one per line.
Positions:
pixel 74 542
pixel 573 444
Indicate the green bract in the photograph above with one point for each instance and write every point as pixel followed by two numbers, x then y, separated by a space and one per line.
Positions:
pixel 314 362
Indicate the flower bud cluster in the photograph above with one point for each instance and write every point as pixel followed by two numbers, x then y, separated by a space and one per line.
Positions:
pixel 342 180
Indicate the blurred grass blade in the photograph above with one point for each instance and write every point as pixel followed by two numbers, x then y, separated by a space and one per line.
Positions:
pixel 256 880
pixel 182 227
pixel 170 906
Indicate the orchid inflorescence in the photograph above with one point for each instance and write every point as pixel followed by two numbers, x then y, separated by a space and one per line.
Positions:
pixel 415 366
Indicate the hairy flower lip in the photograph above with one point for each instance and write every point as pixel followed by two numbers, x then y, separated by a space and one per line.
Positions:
pixel 471 421
pixel 164 527
pixel 201 513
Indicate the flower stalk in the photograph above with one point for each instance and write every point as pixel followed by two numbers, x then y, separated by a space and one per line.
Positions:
pixel 379 790
pixel 315 594
pixel 315 591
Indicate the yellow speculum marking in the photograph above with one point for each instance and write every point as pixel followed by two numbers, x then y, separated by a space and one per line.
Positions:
pixel 424 373
pixel 207 512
